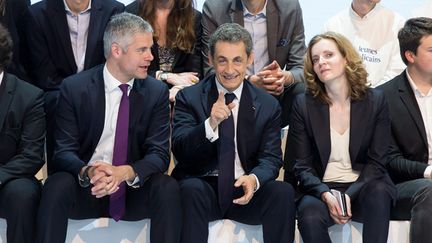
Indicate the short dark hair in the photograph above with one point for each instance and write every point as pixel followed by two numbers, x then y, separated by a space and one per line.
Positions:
pixel 231 33
pixel 6 45
pixel 411 34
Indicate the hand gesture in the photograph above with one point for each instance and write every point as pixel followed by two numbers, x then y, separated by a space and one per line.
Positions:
pixel 220 111
pixel 248 182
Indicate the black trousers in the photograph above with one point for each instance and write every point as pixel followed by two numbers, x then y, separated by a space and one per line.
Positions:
pixel 63 198
pixel 272 206
pixel 19 201
pixel 414 201
pixel 371 207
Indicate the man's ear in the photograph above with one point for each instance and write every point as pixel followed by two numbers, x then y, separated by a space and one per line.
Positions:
pixel 409 55
pixel 250 58
pixel 115 49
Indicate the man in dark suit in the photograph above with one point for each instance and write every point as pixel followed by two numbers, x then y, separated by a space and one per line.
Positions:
pixel 228 151
pixel 112 142
pixel 22 135
pixel 410 102
pixel 62 40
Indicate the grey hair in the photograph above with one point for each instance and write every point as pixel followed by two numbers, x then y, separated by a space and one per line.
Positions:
pixel 121 28
pixel 231 33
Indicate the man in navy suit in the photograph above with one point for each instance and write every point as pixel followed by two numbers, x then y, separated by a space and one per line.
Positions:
pixel 22 135
pixel 229 152
pixel 64 37
pixel 410 105
pixel 106 153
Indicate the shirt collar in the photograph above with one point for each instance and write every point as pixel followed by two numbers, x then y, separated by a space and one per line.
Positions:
pixel 68 10
pixel 261 13
pixel 112 83
pixel 237 92
pixel 371 13
pixel 416 91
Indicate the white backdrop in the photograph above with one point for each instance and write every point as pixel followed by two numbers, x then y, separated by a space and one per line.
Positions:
pixel 316 12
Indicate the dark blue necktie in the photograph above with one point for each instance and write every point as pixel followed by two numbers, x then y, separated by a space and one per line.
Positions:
pixel 118 199
pixel 226 159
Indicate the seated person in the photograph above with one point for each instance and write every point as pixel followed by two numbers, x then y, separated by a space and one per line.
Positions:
pixel 22 136
pixel 112 142
pixel 177 54
pixel 226 139
pixel 410 104
pixel 372 28
pixel 340 131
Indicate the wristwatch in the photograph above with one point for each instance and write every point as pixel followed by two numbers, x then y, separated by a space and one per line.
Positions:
pixel 84 181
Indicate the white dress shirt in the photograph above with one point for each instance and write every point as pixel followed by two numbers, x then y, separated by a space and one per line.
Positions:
pixel 213 135
pixel 105 147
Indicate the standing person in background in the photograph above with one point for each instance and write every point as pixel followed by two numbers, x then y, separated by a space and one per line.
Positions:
pixel 177 41
pixel 22 136
pixel 341 132
pixel 12 17
pixel 410 105
pixel 64 37
pixel 277 31
pixel 373 30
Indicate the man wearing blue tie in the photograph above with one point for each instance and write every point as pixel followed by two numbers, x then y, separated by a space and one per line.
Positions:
pixel 112 142
pixel 226 139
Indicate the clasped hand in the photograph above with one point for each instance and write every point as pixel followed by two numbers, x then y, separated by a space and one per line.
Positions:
pixel 106 178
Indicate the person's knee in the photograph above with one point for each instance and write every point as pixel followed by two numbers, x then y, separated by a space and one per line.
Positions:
pixel 422 199
pixel 166 188
pixel 22 195
pixel 281 192
pixel 312 212
pixel 60 186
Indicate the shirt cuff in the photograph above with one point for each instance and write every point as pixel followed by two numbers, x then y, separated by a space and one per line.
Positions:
pixel 134 183
pixel 257 183
pixel 210 134
pixel 427 172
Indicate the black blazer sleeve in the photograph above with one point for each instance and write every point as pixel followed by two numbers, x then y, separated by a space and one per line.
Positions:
pixel 23 135
pixel 307 165
pixel 375 154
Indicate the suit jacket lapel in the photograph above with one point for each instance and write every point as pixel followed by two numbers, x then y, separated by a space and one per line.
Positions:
pixel 62 28
pixel 236 13
pixel 6 97
pixel 96 91
pixel 408 99
pixel 319 118
pixel 359 117
pixel 94 26
pixel 272 29
pixel 209 95
pixel 248 108
pixel 136 98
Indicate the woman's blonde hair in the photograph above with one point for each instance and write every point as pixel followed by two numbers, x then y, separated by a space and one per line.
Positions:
pixel 355 70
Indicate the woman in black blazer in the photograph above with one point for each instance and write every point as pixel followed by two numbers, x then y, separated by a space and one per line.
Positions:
pixel 340 132
pixel 177 41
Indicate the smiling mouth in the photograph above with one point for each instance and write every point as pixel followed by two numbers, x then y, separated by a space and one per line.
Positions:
pixel 229 77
